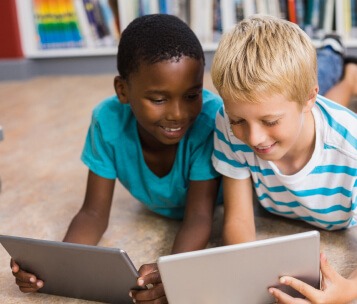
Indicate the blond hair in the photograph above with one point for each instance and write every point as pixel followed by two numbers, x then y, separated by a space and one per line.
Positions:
pixel 264 55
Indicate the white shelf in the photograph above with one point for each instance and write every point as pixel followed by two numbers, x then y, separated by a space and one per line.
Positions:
pixel 30 48
pixel 71 52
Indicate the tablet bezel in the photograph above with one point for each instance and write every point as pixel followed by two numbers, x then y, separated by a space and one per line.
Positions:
pixel 241 273
pixel 75 270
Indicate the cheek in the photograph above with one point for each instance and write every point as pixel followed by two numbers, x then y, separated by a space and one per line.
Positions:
pixel 238 132
pixel 194 110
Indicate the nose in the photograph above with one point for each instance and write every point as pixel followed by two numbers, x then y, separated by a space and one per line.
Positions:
pixel 177 110
pixel 255 135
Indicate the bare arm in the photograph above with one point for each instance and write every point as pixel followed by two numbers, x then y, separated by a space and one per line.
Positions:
pixel 87 227
pixel 239 224
pixel 89 224
pixel 192 235
pixel 196 227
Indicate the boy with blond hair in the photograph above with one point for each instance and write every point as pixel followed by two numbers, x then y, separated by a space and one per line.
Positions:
pixel 296 148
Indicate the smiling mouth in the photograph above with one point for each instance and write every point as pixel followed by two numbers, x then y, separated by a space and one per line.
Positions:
pixel 172 129
pixel 264 149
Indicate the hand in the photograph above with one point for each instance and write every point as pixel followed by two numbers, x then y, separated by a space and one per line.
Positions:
pixel 27 282
pixel 149 275
pixel 334 288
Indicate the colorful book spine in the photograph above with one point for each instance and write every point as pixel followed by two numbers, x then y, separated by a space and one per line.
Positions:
pixel 97 23
pixel 292 11
pixel 57 24
pixel 347 17
pixel 109 19
pixel 353 18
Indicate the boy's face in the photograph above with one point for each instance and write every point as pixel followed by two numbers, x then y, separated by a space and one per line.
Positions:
pixel 165 97
pixel 276 129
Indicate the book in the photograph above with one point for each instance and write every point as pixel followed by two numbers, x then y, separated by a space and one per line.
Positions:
pixel 70 24
pixel 110 21
pixel 217 21
pixel 292 11
pixel 262 7
pixel 283 9
pixel 128 11
pixel 347 18
pixel 201 19
pixel 353 19
pixel 273 7
pixel 300 12
pixel 249 8
pixel 56 24
pixel 147 7
pixel 97 23
pixel 89 38
pixel 328 16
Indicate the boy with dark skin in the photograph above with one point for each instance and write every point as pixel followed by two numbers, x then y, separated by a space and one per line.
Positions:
pixel 156 137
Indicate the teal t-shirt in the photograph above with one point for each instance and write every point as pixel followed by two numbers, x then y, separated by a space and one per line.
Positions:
pixel 113 150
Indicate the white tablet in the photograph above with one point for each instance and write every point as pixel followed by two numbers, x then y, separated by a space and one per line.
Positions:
pixel 74 270
pixel 240 274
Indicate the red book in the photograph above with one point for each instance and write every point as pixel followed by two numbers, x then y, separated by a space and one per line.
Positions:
pixel 10 42
pixel 292 11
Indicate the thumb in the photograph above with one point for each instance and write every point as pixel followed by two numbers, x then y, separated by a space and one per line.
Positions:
pixel 327 272
pixel 147 269
pixel 14 267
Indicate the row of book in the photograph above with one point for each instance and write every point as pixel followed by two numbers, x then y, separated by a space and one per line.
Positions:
pixel 316 17
pixel 203 16
pixel 75 23
pixel 95 23
pixel 347 12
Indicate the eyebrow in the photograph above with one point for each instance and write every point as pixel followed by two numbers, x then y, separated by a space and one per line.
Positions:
pixel 269 116
pixel 199 86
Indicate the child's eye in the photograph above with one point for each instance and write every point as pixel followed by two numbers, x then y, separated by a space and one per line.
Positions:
pixel 271 123
pixel 193 96
pixel 157 100
pixel 236 122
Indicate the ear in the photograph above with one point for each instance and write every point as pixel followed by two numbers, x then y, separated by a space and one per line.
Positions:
pixel 312 99
pixel 121 88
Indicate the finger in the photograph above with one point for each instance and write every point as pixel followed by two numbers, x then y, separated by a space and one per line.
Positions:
pixel 162 300
pixel 328 273
pixel 283 298
pixel 14 267
pixel 305 289
pixel 24 276
pixel 151 278
pixel 148 268
pixel 156 292
pixel 36 285
pixel 29 289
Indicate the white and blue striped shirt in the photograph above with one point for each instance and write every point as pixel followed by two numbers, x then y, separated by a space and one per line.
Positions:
pixel 324 192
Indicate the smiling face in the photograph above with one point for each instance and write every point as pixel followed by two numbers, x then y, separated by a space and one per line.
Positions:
pixel 276 129
pixel 165 97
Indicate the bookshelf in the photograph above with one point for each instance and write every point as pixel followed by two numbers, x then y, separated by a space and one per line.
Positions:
pixel 346 21
pixel 208 19
pixel 31 41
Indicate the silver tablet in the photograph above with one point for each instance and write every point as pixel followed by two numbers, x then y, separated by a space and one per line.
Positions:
pixel 240 274
pixel 74 270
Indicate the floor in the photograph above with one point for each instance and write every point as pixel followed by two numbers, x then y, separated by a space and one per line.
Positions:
pixel 45 121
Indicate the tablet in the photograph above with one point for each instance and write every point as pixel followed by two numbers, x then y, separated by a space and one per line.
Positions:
pixel 241 273
pixel 75 270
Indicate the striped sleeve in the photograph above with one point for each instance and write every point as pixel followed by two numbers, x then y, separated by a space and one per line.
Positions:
pixel 226 157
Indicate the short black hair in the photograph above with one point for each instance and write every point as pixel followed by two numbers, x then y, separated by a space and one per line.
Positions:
pixel 155 38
